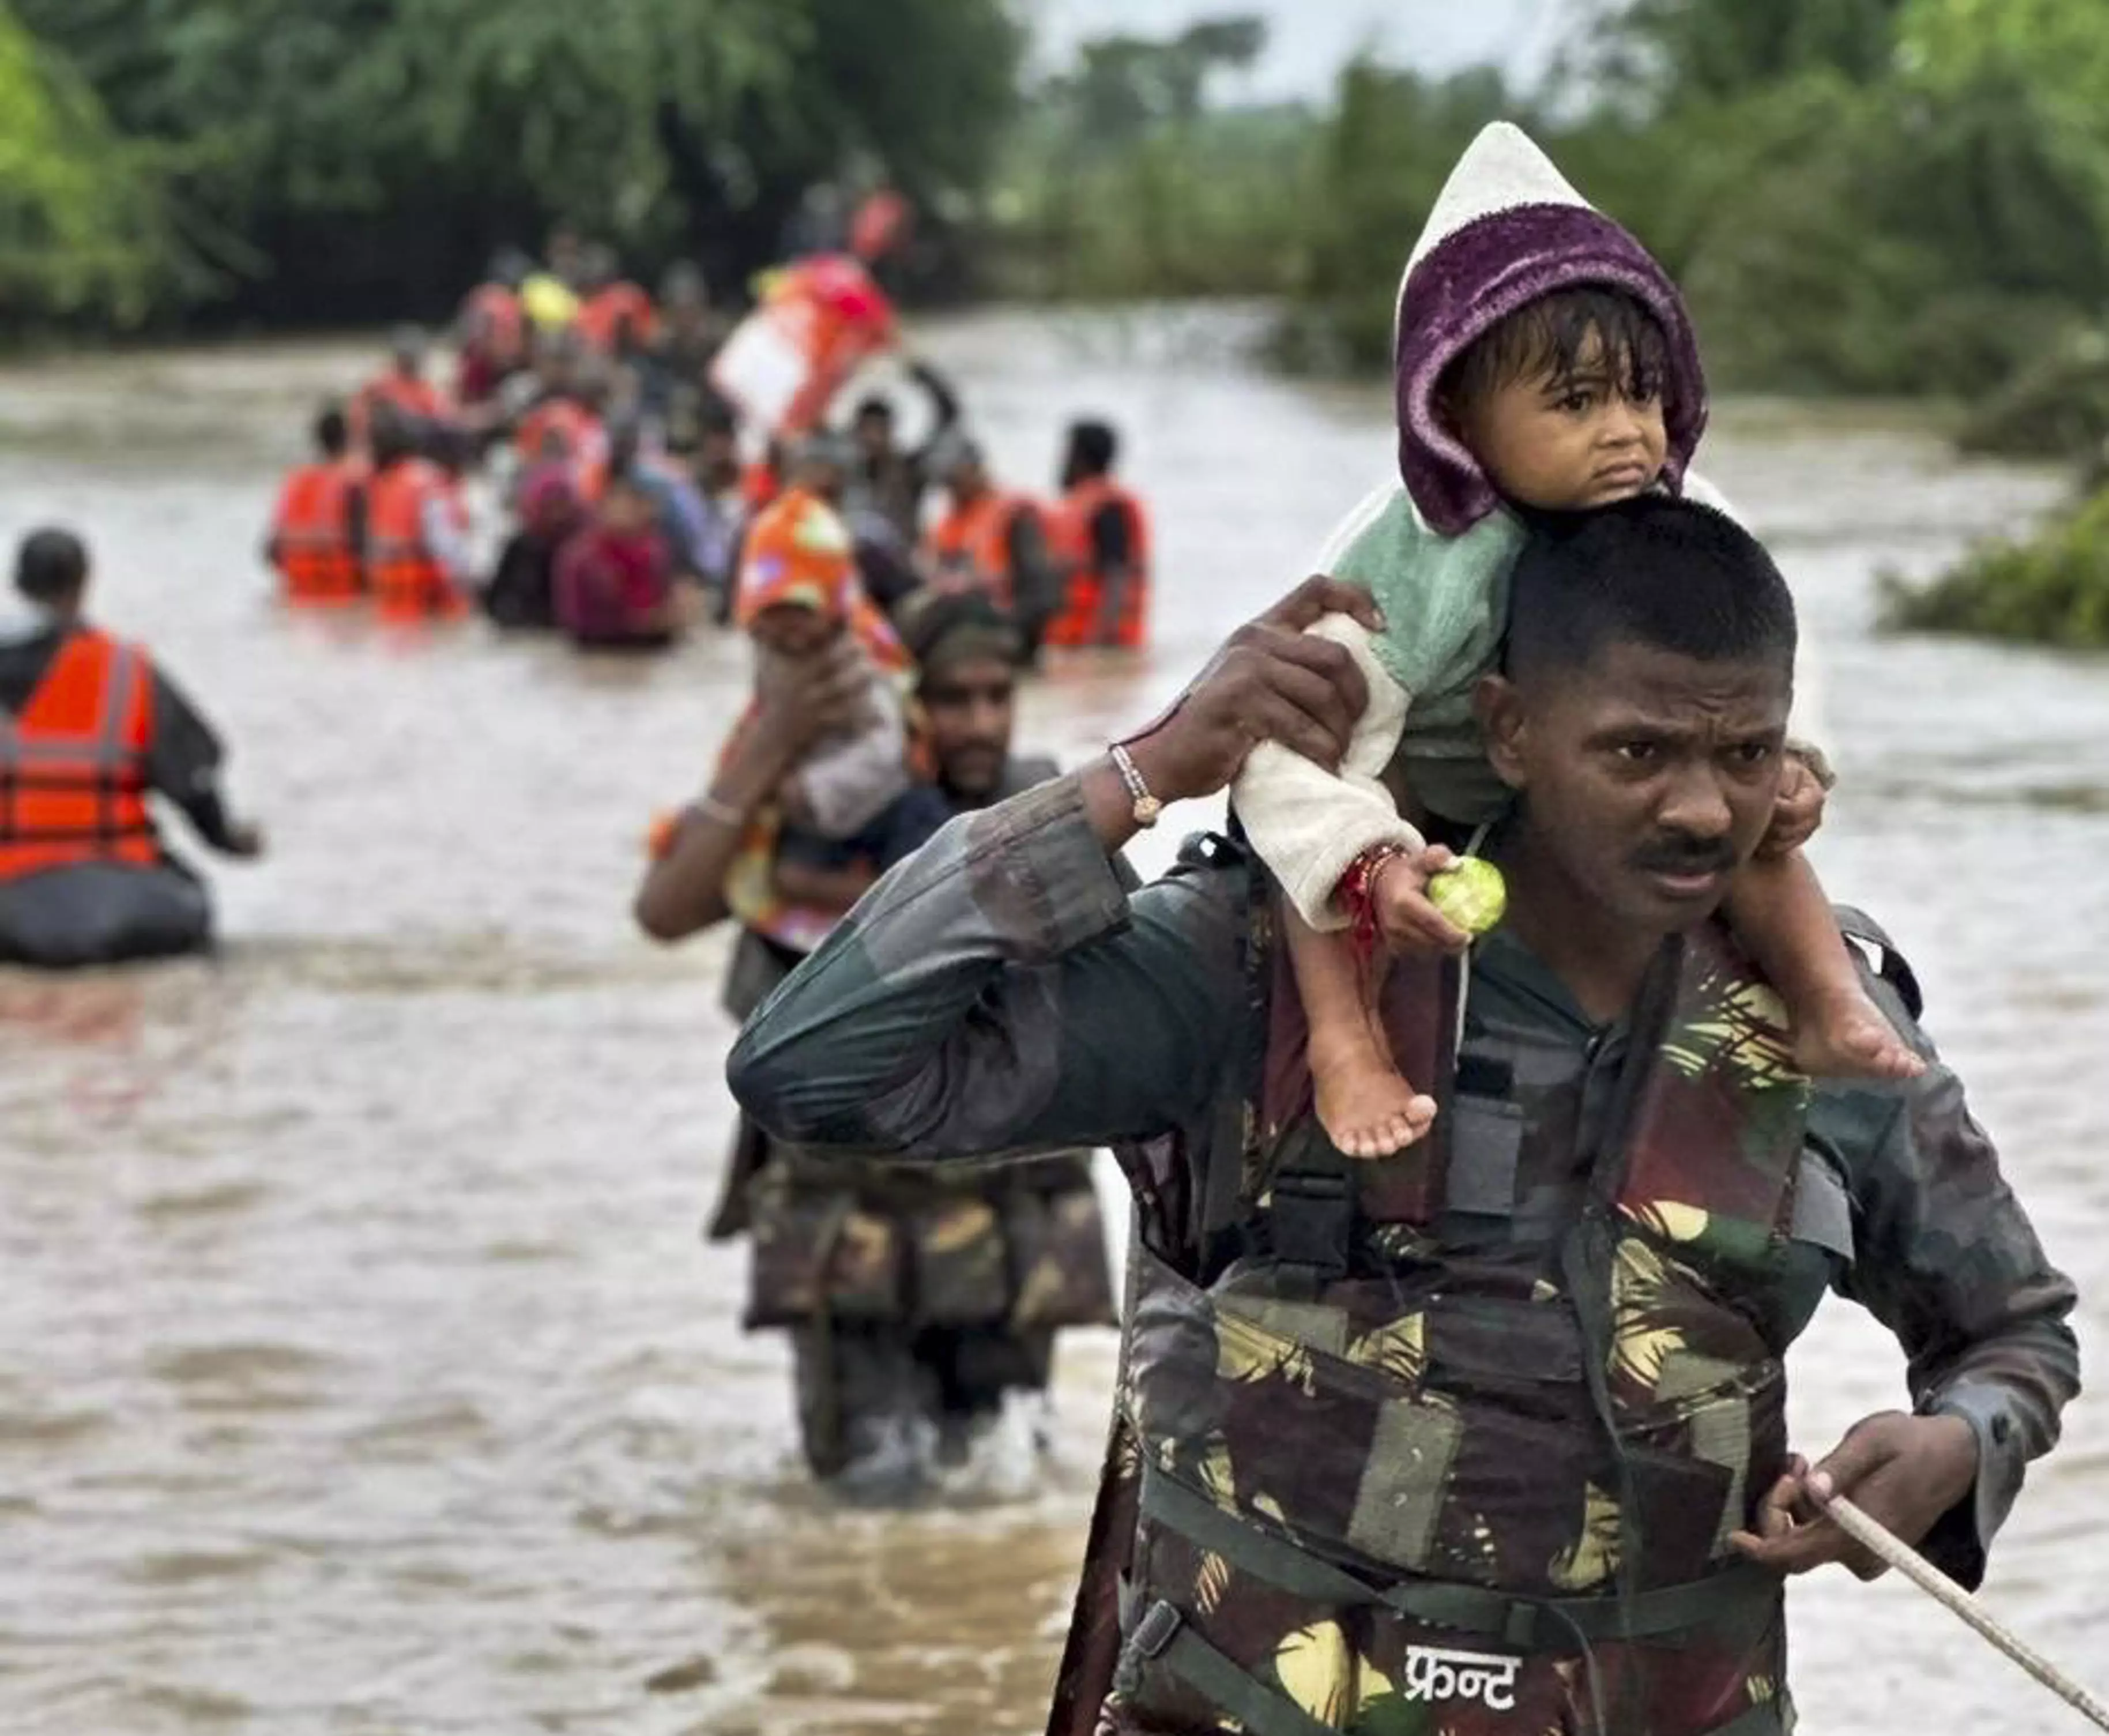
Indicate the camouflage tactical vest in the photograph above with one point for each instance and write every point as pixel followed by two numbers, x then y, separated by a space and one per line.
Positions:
pixel 1456 1439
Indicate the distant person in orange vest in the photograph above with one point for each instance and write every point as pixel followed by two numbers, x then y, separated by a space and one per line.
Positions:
pixel 491 331
pixel 991 540
pixel 1102 538
pixel 404 388
pixel 318 534
pixel 417 555
pixel 616 316
pixel 88 728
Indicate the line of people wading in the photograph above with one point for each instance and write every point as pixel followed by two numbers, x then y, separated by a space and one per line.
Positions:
pixel 1458 1403
pixel 642 501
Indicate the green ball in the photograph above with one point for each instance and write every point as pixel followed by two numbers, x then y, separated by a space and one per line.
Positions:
pixel 1472 895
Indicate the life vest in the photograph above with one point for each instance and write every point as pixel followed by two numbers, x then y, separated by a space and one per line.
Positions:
pixel 494 324
pixel 565 427
pixel 407 578
pixel 970 548
pixel 604 314
pixel 73 765
pixel 312 532
pixel 1077 623
pixel 418 399
pixel 1407 1440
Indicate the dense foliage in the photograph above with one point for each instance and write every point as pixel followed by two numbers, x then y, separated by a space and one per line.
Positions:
pixel 352 158
pixel 81 224
pixel 2051 589
pixel 1868 195
pixel 1864 196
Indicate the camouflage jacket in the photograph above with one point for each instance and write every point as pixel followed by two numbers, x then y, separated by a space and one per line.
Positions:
pixel 1001 991
pixel 1022 1247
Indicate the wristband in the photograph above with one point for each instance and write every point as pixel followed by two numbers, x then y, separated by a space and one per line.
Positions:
pixel 1147 807
pixel 709 807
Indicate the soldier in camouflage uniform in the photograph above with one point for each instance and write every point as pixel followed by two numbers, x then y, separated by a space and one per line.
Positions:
pixel 916 1298
pixel 1487 1438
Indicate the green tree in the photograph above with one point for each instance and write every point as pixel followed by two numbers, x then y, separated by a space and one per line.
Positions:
pixel 82 227
pixel 374 150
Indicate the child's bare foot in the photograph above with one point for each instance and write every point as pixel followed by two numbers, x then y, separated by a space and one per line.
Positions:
pixel 1365 1105
pixel 1846 1037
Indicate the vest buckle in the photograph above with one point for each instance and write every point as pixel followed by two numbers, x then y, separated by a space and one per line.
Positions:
pixel 1155 1632
pixel 1311 1221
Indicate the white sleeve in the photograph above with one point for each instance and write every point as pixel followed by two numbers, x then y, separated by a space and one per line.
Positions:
pixel 1806 730
pixel 1308 824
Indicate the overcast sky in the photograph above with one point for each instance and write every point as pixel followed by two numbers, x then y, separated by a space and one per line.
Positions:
pixel 1308 40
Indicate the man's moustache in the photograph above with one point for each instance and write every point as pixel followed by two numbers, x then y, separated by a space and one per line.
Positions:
pixel 1687 856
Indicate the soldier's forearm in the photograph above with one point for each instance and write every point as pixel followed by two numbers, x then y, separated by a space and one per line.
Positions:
pixel 898 995
pixel 998 994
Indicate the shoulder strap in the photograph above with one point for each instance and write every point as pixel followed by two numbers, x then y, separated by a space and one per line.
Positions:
pixel 1891 966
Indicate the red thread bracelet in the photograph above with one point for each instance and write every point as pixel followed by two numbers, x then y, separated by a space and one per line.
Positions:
pixel 1355 895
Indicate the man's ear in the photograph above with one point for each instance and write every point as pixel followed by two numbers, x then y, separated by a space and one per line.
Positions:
pixel 1504 726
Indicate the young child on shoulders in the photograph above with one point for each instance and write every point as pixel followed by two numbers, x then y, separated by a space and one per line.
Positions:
pixel 1544 363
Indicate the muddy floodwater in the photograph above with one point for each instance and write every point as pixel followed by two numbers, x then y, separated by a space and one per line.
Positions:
pixel 361 1370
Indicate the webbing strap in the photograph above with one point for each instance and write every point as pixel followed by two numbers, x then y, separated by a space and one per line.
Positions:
pixel 1163 1637
pixel 1529 1624
pixel 111 745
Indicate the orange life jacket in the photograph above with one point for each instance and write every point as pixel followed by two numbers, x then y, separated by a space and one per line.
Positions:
pixel 419 400
pixel 407 577
pixel 603 313
pixel 493 323
pixel 970 548
pixel 563 426
pixel 311 533
pixel 73 765
pixel 1084 585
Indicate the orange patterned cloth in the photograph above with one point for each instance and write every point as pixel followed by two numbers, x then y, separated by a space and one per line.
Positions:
pixel 800 551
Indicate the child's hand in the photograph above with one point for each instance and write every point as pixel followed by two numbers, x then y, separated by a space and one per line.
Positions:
pixel 1407 921
pixel 1797 811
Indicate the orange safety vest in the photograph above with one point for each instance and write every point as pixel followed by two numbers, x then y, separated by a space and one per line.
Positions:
pixel 493 322
pixel 407 578
pixel 73 765
pixel 1078 624
pixel 311 533
pixel 578 434
pixel 420 400
pixel 970 548
pixel 602 315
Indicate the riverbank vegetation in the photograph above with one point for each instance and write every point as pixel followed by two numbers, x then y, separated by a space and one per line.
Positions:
pixel 1867 196
pixel 282 161
pixel 1861 195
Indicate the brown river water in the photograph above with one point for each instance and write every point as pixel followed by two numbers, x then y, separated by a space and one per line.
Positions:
pixel 360 1367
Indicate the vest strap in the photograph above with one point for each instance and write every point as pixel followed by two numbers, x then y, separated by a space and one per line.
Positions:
pixel 1162 1636
pixel 1310 1222
pixel 1530 1624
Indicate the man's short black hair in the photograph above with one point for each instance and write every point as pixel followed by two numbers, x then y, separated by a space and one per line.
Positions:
pixel 392 436
pixel 51 565
pixel 1654 571
pixel 873 409
pixel 1095 446
pixel 1547 336
pixel 333 430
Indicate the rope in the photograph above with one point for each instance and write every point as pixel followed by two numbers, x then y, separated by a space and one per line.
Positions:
pixel 1872 1536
